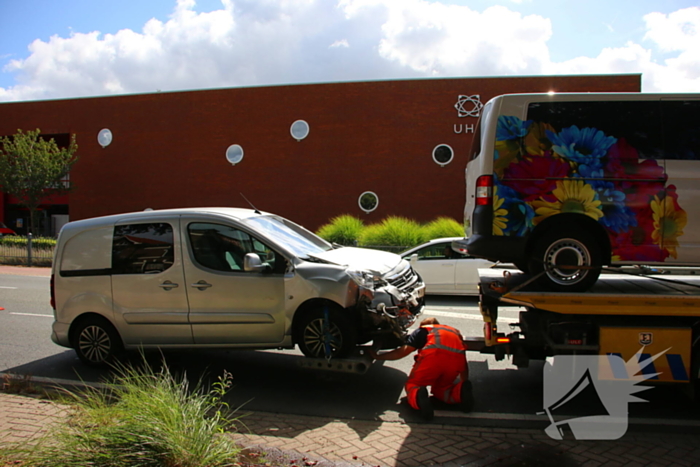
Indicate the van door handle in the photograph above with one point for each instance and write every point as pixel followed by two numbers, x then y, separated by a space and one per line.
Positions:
pixel 167 285
pixel 201 285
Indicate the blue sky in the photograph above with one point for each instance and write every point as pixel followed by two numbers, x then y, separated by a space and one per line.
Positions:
pixel 71 48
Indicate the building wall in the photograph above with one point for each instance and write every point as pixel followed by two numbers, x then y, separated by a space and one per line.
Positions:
pixel 168 149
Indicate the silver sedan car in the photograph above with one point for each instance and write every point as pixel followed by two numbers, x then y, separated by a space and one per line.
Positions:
pixel 445 271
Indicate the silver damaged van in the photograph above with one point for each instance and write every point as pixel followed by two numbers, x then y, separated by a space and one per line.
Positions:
pixel 223 278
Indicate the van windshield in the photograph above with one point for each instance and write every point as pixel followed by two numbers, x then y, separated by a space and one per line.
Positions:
pixel 294 238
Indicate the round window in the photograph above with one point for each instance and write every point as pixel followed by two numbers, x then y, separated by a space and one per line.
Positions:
pixel 368 201
pixel 442 155
pixel 234 154
pixel 104 137
pixel 299 130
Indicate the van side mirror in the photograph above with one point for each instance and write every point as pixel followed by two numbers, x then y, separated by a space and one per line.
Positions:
pixel 253 263
pixel 413 259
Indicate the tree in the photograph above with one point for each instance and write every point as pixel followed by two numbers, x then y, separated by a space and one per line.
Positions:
pixel 32 169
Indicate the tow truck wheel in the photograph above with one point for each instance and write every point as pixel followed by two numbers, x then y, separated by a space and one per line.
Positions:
pixel 567 261
pixel 324 332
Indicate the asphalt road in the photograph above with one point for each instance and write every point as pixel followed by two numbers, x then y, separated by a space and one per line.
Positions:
pixel 274 381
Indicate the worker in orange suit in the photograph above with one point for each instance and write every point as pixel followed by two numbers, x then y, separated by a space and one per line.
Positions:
pixel 441 363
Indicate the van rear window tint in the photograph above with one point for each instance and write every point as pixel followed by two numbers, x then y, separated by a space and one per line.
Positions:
pixel 142 248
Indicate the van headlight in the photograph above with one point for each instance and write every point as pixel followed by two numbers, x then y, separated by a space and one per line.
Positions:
pixel 364 278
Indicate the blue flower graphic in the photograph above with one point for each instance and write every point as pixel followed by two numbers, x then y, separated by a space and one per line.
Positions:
pixel 511 128
pixel 582 146
pixel 520 213
pixel 616 216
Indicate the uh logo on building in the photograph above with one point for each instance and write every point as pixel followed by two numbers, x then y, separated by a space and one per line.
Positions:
pixel 467 106
pixel 586 396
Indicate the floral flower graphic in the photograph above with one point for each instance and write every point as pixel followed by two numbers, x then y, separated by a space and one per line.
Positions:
pixel 570 196
pixel 669 221
pixel 541 171
pixel 499 213
pixel 585 146
pixel 514 216
pixel 536 141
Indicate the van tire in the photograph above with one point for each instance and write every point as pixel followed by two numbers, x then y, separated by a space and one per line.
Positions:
pixel 312 337
pixel 96 342
pixel 559 248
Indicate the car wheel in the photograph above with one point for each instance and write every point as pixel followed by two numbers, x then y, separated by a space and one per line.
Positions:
pixel 566 261
pixel 96 342
pixel 323 331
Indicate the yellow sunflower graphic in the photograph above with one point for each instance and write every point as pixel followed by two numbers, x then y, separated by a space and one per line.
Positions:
pixel 669 221
pixel 500 215
pixel 571 196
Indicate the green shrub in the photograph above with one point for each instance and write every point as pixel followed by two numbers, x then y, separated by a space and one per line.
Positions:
pixel 343 230
pixel 392 231
pixel 442 227
pixel 148 418
pixel 39 243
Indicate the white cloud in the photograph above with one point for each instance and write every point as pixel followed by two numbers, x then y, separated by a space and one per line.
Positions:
pixel 340 43
pixel 252 42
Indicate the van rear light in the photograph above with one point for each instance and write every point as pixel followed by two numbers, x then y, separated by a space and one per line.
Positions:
pixel 53 294
pixel 484 190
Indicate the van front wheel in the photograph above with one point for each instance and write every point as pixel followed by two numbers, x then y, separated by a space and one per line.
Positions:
pixel 567 261
pixel 96 342
pixel 323 332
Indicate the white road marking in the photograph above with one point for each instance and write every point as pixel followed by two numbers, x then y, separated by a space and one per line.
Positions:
pixel 32 314
pixel 448 314
pixel 2 287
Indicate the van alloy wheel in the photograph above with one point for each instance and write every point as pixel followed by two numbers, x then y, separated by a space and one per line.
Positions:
pixel 324 332
pixel 320 338
pixel 94 343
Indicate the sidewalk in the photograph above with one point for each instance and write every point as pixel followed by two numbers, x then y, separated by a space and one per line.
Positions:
pixel 325 442
pixel 25 271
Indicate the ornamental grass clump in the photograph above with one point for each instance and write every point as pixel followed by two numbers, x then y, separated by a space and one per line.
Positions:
pixel 442 227
pixel 343 230
pixel 148 418
pixel 392 231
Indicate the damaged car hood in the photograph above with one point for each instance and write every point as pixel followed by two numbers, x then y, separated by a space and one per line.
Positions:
pixel 362 258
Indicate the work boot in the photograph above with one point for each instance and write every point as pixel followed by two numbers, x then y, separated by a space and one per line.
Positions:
pixel 424 405
pixel 466 397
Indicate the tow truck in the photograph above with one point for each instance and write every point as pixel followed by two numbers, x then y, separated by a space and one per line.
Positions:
pixel 636 313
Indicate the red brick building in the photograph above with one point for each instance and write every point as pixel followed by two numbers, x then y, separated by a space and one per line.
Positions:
pixel 169 149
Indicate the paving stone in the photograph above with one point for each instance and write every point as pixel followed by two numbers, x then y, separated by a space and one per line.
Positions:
pixel 353 443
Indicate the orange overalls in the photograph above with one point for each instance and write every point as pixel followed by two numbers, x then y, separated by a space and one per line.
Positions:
pixel 441 364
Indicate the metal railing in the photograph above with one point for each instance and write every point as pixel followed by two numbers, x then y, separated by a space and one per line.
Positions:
pixel 26 255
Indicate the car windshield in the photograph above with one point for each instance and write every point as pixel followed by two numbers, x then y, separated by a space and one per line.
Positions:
pixel 294 238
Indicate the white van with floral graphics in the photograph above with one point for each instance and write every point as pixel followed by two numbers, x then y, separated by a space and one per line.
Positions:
pixel 563 184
